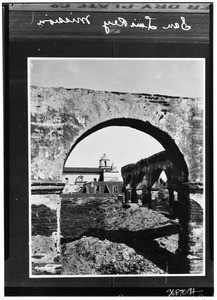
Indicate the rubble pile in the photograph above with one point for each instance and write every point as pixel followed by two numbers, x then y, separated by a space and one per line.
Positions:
pixel 80 215
pixel 134 218
pixel 102 236
pixel 92 256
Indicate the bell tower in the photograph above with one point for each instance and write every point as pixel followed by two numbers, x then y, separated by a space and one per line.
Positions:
pixel 105 163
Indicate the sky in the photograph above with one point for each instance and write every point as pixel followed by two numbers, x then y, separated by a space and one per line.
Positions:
pixel 122 145
pixel 160 76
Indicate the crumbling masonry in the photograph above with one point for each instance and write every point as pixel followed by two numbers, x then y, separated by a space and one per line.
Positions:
pixel 61 118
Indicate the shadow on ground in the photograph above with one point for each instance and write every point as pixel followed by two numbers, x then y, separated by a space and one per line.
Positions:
pixel 144 243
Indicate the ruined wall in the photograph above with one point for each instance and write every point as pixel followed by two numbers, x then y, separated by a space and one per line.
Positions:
pixel 45 232
pixel 133 179
pixel 155 163
pixel 60 116
pixel 160 201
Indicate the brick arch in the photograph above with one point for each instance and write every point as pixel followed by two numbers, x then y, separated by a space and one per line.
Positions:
pixel 196 214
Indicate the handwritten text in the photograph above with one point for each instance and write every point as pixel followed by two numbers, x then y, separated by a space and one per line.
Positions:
pixel 78 20
pixel 148 24
pixel 184 292
pixel 121 22
pixel 176 25
pixel 110 26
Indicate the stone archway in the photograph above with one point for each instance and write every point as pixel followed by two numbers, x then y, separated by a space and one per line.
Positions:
pixel 160 198
pixel 61 118
pixel 151 167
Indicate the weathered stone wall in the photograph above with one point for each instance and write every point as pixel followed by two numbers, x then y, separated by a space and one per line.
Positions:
pixel 159 204
pixel 59 116
pixel 45 231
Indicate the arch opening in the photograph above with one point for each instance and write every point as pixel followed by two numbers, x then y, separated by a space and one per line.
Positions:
pixel 160 193
pixel 161 136
pixel 168 166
